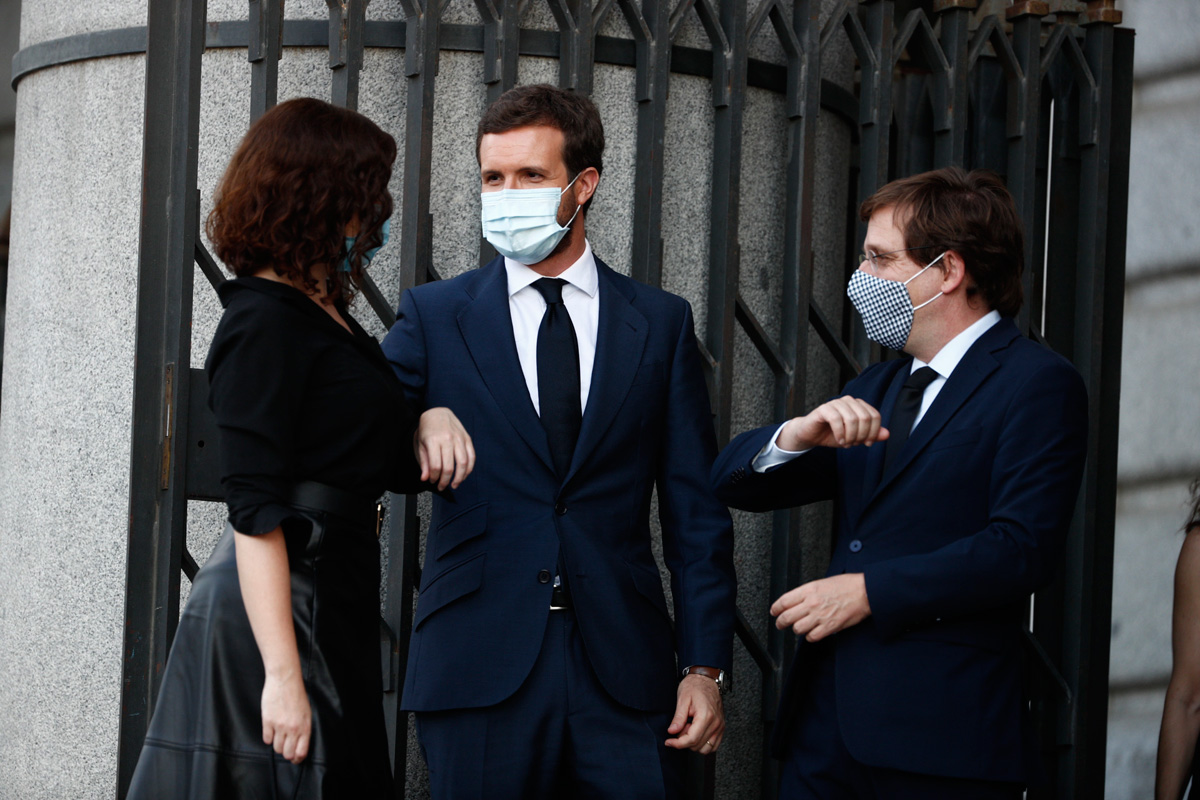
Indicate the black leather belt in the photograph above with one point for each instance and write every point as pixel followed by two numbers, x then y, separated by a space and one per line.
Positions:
pixel 332 500
pixel 560 599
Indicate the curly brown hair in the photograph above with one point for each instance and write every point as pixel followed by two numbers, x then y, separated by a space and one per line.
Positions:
pixel 304 171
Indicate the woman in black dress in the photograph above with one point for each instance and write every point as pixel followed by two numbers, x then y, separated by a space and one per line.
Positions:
pixel 273 688
pixel 1179 736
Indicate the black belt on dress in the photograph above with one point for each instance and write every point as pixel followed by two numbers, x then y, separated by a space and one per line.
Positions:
pixel 332 500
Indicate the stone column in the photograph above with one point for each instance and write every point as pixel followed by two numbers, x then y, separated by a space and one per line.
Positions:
pixel 64 433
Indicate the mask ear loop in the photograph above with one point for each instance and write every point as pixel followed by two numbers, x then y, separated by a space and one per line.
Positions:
pixel 914 277
pixel 577 205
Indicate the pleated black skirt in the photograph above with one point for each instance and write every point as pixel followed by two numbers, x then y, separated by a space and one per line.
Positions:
pixel 205 737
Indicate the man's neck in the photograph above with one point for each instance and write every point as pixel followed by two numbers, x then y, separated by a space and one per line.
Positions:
pixel 573 246
pixel 932 343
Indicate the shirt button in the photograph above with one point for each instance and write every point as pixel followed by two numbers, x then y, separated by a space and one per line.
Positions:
pixel 855 546
pixel 560 509
pixel 544 576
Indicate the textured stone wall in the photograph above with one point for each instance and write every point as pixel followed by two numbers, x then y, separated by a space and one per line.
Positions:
pixel 1160 384
pixel 64 433
pixel 68 367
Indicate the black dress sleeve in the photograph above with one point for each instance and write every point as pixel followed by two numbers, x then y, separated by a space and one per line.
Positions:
pixel 406 476
pixel 257 373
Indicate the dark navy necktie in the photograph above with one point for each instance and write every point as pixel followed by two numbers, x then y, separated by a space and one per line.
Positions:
pixel 558 375
pixel 905 412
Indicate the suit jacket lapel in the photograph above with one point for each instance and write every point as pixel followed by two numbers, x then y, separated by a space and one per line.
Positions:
pixel 874 456
pixel 971 372
pixel 486 326
pixel 620 340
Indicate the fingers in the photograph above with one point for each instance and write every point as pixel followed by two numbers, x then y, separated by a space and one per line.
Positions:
pixel 694 733
pixel 703 734
pixel 423 459
pixel 289 741
pixel 850 422
pixel 433 453
pixel 464 459
pixel 786 601
pixel 712 741
pixel 292 746
pixel 699 720
pixel 445 450
pixel 683 709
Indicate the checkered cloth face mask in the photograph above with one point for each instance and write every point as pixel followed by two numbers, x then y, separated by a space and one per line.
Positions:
pixel 885 307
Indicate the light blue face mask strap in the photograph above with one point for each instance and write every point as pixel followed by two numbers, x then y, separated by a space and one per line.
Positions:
pixel 577 205
pixel 573 216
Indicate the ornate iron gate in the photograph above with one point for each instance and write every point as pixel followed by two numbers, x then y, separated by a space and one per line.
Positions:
pixel 1037 91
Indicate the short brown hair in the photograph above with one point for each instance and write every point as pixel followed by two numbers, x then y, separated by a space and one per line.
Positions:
pixel 971 213
pixel 303 171
pixel 542 104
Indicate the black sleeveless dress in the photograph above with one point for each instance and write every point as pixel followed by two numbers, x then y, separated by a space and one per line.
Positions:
pixel 298 399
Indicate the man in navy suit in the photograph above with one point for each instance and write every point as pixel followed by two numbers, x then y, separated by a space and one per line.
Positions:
pixel 543 660
pixel 954 474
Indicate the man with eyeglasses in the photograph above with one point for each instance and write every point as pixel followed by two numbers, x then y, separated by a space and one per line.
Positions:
pixel 955 473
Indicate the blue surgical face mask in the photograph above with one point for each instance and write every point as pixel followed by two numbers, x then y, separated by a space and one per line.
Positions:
pixel 370 254
pixel 522 224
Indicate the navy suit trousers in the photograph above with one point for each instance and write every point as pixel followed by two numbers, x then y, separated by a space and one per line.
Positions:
pixel 560 736
pixel 819 767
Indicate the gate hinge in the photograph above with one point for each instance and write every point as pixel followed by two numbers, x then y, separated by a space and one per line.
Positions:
pixel 168 409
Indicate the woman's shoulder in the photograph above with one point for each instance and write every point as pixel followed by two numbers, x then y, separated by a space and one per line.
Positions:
pixel 259 304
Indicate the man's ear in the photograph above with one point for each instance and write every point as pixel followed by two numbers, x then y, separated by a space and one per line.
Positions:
pixel 585 185
pixel 954 274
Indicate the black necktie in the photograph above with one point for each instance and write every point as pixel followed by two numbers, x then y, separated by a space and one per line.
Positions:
pixel 558 375
pixel 905 412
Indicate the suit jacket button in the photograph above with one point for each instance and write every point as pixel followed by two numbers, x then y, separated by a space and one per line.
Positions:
pixel 544 576
pixel 855 546
pixel 560 509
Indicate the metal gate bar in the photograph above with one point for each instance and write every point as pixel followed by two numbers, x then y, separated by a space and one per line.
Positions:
pixel 945 105
pixel 162 352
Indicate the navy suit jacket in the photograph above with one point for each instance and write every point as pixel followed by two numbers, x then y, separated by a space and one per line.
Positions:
pixel 484 599
pixel 968 520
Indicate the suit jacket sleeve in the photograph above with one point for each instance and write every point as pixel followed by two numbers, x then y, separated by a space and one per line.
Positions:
pixel 697 529
pixel 805 479
pixel 405 349
pixel 1034 485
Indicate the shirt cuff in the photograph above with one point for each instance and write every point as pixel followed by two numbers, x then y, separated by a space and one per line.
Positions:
pixel 772 455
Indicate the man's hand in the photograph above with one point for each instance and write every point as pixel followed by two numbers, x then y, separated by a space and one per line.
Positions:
pixel 842 422
pixel 699 722
pixel 821 608
pixel 443 448
pixel 286 716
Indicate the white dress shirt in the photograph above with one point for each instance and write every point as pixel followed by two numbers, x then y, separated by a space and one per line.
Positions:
pixel 943 364
pixel 581 296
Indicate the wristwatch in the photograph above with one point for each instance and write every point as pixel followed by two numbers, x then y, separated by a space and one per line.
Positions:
pixel 717 675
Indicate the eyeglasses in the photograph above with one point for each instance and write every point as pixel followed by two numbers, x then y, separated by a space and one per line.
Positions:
pixel 871 257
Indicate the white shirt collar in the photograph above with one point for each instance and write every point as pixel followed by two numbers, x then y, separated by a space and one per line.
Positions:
pixel 582 274
pixel 948 357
